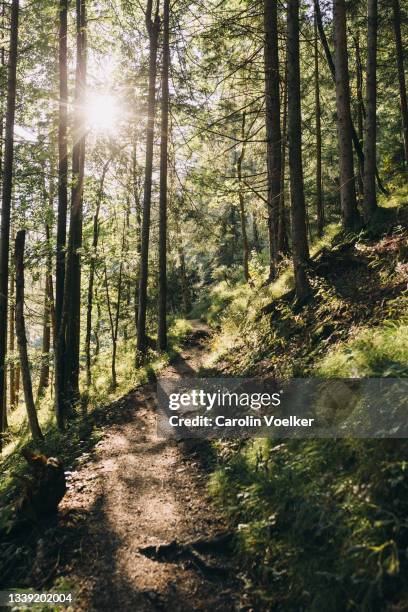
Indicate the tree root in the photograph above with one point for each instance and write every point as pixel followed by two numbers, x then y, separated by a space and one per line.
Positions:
pixel 192 552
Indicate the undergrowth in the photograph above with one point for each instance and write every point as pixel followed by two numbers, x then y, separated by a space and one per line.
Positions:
pixel 86 428
pixel 321 524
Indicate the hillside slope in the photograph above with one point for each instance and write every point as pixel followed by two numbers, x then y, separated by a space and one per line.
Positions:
pixel 321 524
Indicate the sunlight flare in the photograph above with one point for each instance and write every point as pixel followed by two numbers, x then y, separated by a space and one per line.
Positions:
pixel 102 112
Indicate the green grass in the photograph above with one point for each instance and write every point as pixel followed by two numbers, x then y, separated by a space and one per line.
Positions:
pixel 320 524
pixel 374 352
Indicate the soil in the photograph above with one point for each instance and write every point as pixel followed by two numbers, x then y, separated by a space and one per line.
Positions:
pixel 136 490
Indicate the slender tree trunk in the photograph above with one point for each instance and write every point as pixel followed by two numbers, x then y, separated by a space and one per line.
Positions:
pixel 356 142
pixel 7 186
pixel 272 124
pixel 185 289
pixel 46 341
pixel 59 333
pixel 12 372
pixel 370 137
pixel 136 198
pixel 360 111
pixel 98 324
pixel 153 28
pixel 255 234
pixel 17 379
pixel 283 243
pixel 401 75
pixel 72 289
pixel 114 322
pixel 48 318
pixel 117 315
pixel 298 209
pixel 111 323
pixel 245 247
pixel 21 336
pixel 162 323
pixel 2 92
pixel 319 190
pixel 344 123
pixel 92 276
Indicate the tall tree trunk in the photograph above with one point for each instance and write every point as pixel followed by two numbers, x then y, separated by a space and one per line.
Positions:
pixel 59 335
pixel 298 209
pixel 356 142
pixel 272 124
pixel 47 319
pixel 245 247
pixel 117 315
pixel 21 336
pixel 185 289
pixel 12 371
pixel 370 136
pixel 72 289
pixel 2 91
pixel 114 322
pixel 318 113
pixel 7 186
pixel 98 324
pixel 360 110
pixel 153 28
pixel 17 379
pixel 162 322
pixel 136 198
pixel 255 234
pixel 46 343
pixel 344 123
pixel 401 75
pixel 283 243
pixel 91 281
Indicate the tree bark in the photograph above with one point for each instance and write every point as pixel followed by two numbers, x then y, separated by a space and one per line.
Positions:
pixel 153 28
pixel 117 315
pixel 46 341
pixel 272 124
pixel 44 377
pixel 7 187
pixel 360 110
pixel 59 336
pixel 162 318
pixel 344 124
pixel 298 209
pixel 72 289
pixel 370 136
pixel 255 234
pixel 245 247
pixel 136 198
pixel 12 371
pixel 318 114
pixel 401 75
pixel 91 281
pixel 356 142
pixel 114 322
pixel 283 243
pixel 21 336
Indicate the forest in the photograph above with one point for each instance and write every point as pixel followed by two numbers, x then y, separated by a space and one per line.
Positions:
pixel 212 188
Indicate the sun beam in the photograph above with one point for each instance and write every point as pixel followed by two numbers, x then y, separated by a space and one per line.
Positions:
pixel 102 112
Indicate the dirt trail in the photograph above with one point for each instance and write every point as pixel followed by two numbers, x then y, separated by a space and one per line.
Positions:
pixel 136 490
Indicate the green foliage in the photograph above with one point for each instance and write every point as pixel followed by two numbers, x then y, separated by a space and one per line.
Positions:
pixel 321 524
pixel 84 430
pixel 375 353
